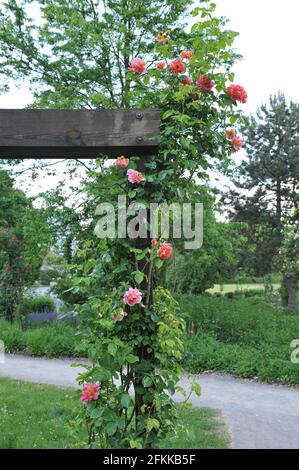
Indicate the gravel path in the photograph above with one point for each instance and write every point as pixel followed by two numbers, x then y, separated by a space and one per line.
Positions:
pixel 260 416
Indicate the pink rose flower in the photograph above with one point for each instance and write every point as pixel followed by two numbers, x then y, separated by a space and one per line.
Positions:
pixel 186 55
pixel 237 93
pixel 187 81
pixel 132 297
pixel 237 144
pixel 90 392
pixel 161 65
pixel 137 65
pixel 134 176
pixel 121 161
pixel 154 242
pixel 230 133
pixel 204 83
pixel 177 66
pixel 164 251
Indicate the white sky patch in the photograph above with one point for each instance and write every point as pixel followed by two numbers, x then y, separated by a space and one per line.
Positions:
pixel 268 41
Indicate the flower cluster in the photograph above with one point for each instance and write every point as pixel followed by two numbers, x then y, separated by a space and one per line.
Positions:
pixel 133 176
pixel 186 81
pixel 203 82
pixel 161 65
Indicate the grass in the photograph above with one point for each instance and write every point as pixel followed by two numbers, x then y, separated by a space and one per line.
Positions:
pixel 204 428
pixel 245 337
pixel 50 340
pixel 224 288
pixel 34 416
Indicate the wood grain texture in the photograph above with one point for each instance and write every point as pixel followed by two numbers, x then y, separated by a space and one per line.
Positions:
pixel 36 133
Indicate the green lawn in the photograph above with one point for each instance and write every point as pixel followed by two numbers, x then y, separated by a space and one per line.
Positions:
pixel 235 287
pixel 242 336
pixel 34 416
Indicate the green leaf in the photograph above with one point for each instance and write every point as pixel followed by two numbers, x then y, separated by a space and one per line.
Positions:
pixel 111 428
pixel 147 381
pixel 131 358
pixel 125 400
pixel 135 444
pixel 158 263
pixel 132 193
pixel 139 276
pixel 196 389
pixel 167 114
pixel 112 348
pixel 151 424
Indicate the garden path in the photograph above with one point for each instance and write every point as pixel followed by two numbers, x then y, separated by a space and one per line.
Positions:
pixel 260 416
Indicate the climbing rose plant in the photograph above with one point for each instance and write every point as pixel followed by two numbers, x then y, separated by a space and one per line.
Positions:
pixel 130 327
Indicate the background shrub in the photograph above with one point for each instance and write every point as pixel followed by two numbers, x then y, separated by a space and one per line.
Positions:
pixel 12 336
pixel 242 336
pixel 51 340
pixel 47 276
pixel 37 304
pixel 57 339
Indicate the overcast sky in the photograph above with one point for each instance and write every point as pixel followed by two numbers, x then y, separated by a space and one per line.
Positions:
pixel 268 41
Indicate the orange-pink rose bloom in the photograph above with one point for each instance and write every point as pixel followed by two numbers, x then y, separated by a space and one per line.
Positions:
pixel 230 133
pixel 121 161
pixel 186 81
pixel 161 65
pixel 90 392
pixel 186 55
pixel 134 176
pixel 177 66
pixel 237 93
pixel 132 297
pixel 237 144
pixel 204 83
pixel 137 65
pixel 164 251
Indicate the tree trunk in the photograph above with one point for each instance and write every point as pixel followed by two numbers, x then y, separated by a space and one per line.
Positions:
pixel 278 201
pixel 291 287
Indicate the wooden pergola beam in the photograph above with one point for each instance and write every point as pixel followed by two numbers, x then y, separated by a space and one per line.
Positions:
pixel 55 133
